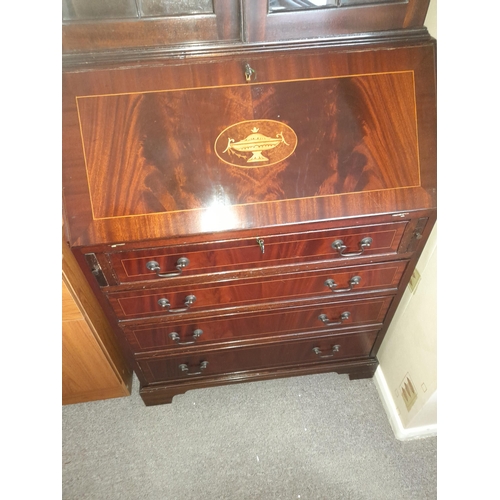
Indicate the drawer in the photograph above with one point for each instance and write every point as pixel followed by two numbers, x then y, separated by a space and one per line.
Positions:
pixel 308 286
pixel 286 322
pixel 337 245
pixel 233 360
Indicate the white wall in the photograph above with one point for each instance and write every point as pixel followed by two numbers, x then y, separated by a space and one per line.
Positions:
pixel 409 348
pixel 431 19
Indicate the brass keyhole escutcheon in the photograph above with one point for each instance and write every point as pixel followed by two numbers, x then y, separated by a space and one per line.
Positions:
pixel 250 73
pixel 260 241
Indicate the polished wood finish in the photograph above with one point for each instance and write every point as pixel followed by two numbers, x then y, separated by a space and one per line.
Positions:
pixel 219 298
pixel 97 217
pixel 232 22
pixel 230 360
pixel 93 367
pixel 279 249
pixel 351 117
pixel 157 394
pixel 221 260
pixel 254 198
pixel 242 329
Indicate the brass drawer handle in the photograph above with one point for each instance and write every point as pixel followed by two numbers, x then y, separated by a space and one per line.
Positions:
pixel 355 280
pixel 250 73
pixel 185 369
pixel 176 338
pixel 188 302
pixel 318 352
pixel 324 318
pixel 152 265
pixel 341 248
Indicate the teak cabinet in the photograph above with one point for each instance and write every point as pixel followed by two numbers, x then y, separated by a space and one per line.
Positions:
pixel 93 368
pixel 246 201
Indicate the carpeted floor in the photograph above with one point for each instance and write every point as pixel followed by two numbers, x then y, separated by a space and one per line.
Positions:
pixel 310 438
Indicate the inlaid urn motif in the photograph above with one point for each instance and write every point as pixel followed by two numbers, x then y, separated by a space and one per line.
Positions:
pixel 255 143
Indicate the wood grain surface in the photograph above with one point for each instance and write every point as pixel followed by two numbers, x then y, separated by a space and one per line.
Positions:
pixel 305 287
pixel 301 353
pixel 245 254
pixel 354 134
pixel 217 141
pixel 153 129
pixel 257 327
pixel 93 368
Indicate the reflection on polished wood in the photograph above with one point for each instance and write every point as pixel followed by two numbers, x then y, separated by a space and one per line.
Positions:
pixel 161 144
pixel 209 298
pixel 369 138
pixel 245 253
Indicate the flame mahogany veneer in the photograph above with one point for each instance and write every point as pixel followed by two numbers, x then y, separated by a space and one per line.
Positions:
pixel 249 210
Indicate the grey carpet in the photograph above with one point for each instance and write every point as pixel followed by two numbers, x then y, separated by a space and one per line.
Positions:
pixel 309 438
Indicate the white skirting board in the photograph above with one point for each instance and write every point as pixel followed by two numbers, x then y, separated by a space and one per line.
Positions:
pixel 390 408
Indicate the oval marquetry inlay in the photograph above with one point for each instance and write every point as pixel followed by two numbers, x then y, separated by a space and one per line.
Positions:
pixel 255 143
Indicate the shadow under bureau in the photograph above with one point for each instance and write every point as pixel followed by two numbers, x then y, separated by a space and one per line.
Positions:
pixel 247 211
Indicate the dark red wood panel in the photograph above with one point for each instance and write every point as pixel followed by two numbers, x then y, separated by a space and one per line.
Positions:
pixel 252 358
pixel 377 112
pixel 277 322
pixel 279 249
pixel 238 145
pixel 305 286
pixel 219 301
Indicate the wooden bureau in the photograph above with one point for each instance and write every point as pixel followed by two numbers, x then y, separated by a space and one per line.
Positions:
pixel 248 194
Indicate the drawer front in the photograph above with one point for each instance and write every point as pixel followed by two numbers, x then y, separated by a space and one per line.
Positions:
pixel 225 361
pixel 253 253
pixel 284 322
pixel 305 286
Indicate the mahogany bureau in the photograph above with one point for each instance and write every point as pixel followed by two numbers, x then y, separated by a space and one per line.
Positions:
pixel 248 186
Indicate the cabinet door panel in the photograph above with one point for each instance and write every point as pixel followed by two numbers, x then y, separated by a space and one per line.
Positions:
pixel 95 25
pixel 274 20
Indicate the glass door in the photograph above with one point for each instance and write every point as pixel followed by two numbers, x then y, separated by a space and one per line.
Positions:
pixel 97 25
pixel 276 20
